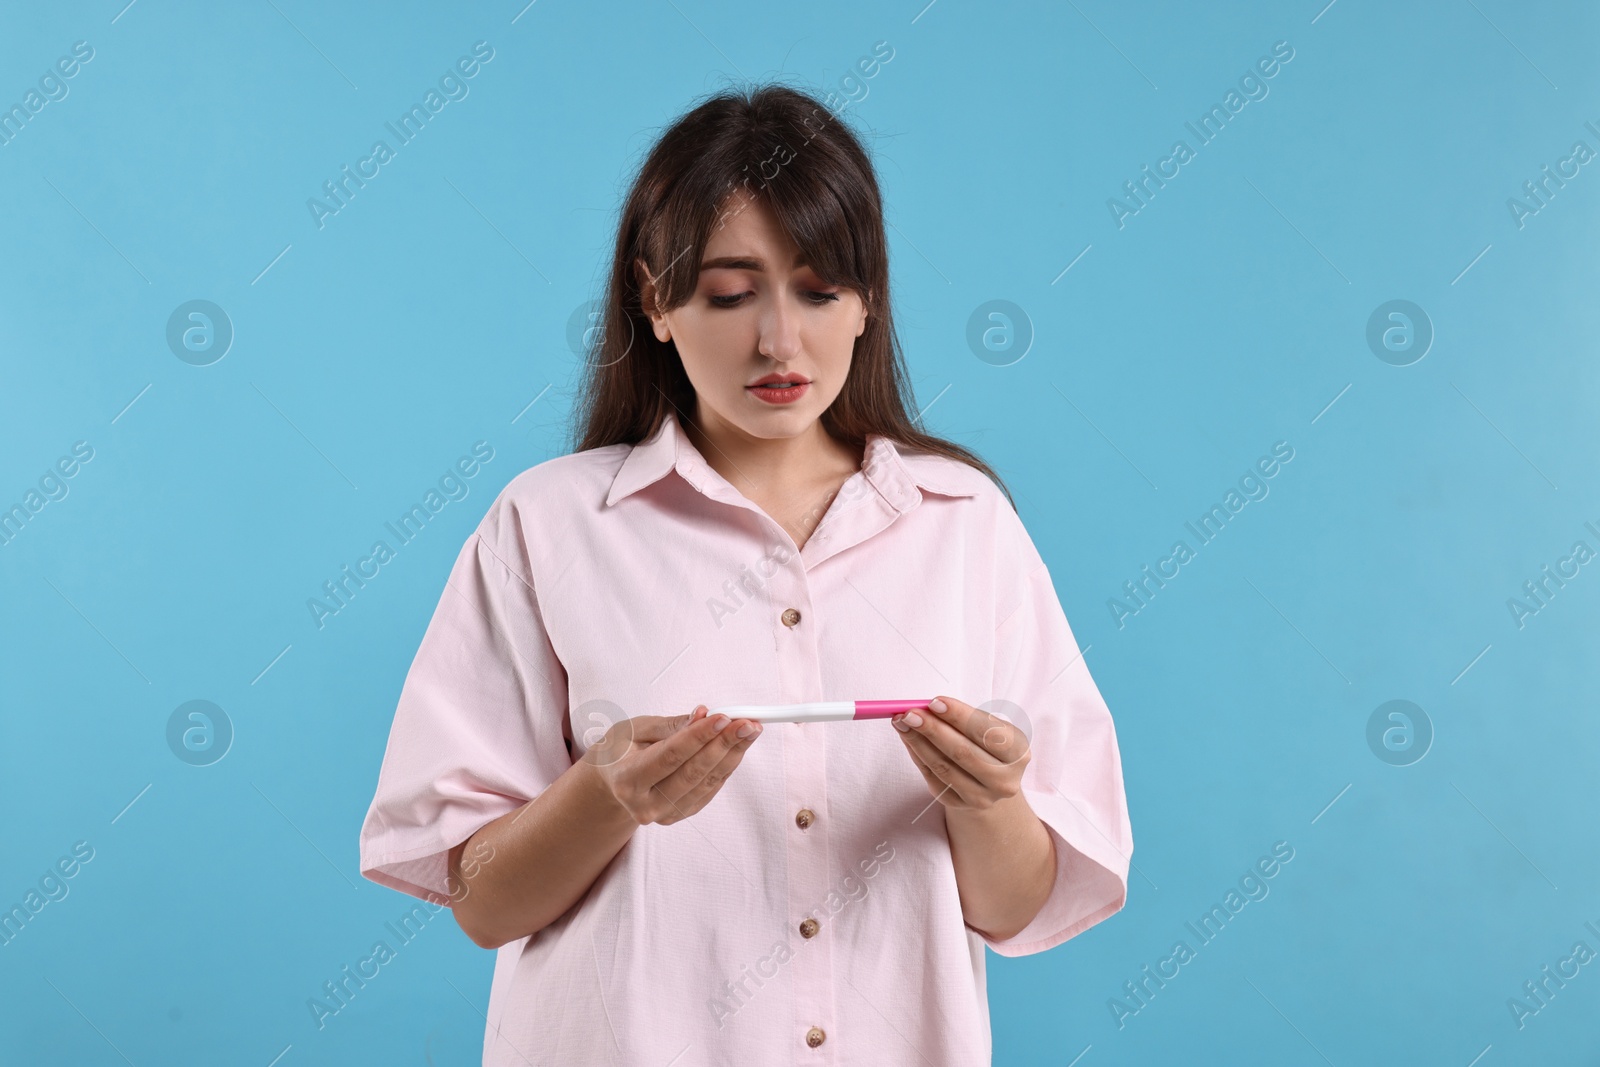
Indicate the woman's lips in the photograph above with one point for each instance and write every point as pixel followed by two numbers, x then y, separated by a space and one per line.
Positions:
pixel 786 394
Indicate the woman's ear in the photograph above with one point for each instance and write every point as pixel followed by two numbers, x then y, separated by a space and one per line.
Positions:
pixel 647 301
pixel 861 327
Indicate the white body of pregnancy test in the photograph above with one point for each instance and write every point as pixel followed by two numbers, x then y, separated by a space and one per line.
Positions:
pixel 818 711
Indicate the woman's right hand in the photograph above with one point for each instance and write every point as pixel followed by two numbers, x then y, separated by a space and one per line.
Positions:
pixel 664 768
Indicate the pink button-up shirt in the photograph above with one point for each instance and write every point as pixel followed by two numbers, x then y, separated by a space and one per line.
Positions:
pixel 634 579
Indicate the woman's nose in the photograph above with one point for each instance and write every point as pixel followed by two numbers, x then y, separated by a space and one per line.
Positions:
pixel 780 331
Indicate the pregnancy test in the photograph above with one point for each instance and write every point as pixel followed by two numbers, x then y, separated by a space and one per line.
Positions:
pixel 820 711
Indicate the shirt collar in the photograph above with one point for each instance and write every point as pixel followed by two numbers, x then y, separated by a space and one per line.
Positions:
pixel 896 476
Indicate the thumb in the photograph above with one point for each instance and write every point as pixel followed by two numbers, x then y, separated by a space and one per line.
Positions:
pixel 650 728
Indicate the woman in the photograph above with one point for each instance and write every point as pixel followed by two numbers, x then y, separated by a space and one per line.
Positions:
pixel 665 886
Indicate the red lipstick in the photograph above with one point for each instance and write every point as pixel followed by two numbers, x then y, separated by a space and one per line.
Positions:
pixel 784 388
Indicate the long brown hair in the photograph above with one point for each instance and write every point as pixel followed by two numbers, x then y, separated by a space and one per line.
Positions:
pixel 782 144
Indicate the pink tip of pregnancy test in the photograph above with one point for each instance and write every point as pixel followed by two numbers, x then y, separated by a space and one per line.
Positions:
pixel 883 709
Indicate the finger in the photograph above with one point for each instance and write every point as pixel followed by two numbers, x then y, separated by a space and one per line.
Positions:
pixel 939 789
pixel 938 766
pixel 662 759
pixel 691 787
pixel 935 786
pixel 714 779
pixel 688 779
pixel 956 746
pixel 648 729
pixel 988 732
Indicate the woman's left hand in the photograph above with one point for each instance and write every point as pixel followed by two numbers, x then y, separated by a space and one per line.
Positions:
pixel 970 758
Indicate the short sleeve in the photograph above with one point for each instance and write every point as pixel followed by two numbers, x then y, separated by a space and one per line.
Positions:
pixel 1073 780
pixel 479 729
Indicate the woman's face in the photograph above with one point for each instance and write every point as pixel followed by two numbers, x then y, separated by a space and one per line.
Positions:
pixel 757 311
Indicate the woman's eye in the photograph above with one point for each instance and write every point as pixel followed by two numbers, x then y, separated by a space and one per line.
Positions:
pixel 813 296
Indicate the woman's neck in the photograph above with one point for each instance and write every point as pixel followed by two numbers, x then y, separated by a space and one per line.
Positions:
pixel 776 466
pixel 792 479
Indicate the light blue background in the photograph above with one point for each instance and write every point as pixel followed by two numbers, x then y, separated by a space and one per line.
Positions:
pixel 1224 317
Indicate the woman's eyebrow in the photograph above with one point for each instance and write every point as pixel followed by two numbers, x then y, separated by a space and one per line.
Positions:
pixel 745 262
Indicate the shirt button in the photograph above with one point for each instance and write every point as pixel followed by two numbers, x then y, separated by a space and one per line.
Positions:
pixel 790 616
pixel 804 818
pixel 808 929
pixel 815 1036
